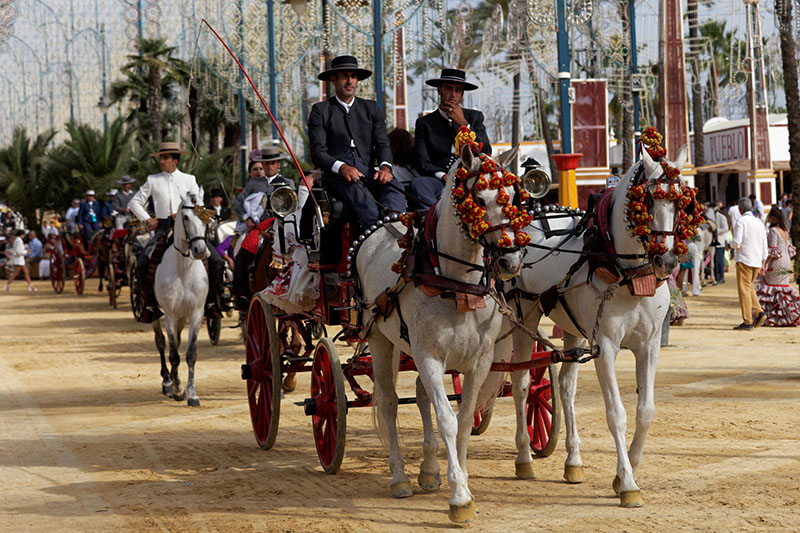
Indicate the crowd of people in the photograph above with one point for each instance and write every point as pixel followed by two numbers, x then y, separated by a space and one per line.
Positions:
pixel 756 245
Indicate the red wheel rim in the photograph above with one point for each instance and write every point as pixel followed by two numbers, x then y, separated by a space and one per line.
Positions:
pixel 539 409
pixel 259 393
pixel 56 273
pixel 325 422
pixel 79 276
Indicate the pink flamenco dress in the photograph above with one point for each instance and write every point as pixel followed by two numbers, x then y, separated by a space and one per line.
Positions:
pixel 779 300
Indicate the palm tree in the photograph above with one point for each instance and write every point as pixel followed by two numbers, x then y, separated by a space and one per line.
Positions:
pixel 22 183
pixel 783 11
pixel 89 159
pixel 150 76
pixel 720 42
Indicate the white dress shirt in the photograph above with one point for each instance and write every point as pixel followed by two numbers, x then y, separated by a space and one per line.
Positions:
pixel 167 191
pixel 750 240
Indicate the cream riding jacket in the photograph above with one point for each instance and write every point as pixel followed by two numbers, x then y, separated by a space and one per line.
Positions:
pixel 167 190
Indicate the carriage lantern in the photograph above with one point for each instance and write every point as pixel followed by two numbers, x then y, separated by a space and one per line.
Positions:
pixel 283 201
pixel 535 180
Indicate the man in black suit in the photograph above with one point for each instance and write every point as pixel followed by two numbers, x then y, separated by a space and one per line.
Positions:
pixel 348 141
pixel 435 134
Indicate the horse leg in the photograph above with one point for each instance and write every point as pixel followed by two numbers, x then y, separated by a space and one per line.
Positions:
pixel 431 372
pixel 567 385
pixel 629 493
pixel 166 381
pixel 429 477
pixel 174 336
pixel 646 363
pixel 385 401
pixel 191 357
pixel 520 387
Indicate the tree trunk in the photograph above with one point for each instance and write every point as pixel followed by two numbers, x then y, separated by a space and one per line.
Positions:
pixel 548 138
pixel 701 179
pixel 515 118
pixel 626 136
pixel 154 102
pixel 790 87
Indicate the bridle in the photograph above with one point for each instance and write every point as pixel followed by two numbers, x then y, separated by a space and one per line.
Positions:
pixel 189 240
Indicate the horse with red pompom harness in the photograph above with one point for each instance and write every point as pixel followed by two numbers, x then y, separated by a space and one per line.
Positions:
pixel 616 257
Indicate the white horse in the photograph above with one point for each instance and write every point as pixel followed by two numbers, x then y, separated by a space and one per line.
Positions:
pixel 181 286
pixel 632 321
pixel 440 337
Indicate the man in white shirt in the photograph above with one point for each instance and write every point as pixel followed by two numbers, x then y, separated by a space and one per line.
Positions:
pixel 72 215
pixel 719 250
pixel 166 189
pixel 750 242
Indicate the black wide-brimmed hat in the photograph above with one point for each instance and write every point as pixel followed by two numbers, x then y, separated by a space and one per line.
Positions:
pixel 126 179
pixel 343 63
pixel 217 192
pixel 452 75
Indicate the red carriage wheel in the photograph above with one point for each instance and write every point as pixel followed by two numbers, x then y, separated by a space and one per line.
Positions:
pixel 329 420
pixel 543 409
pixel 482 417
pixel 112 280
pixel 264 368
pixel 79 276
pixel 57 272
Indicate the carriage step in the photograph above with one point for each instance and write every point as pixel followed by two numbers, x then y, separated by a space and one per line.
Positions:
pixel 296 358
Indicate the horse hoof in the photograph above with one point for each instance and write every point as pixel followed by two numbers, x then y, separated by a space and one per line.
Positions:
pixel 179 397
pixel 401 489
pixel 289 383
pixel 429 482
pixel 631 498
pixel 574 473
pixel 167 390
pixel 193 402
pixel 616 484
pixel 462 513
pixel 524 471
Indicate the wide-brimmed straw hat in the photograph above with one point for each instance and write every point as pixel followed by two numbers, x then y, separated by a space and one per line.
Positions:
pixel 344 63
pixel 452 75
pixel 90 192
pixel 169 147
pixel 270 153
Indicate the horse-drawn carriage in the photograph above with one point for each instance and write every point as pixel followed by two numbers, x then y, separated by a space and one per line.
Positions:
pixel 281 344
pixel 72 257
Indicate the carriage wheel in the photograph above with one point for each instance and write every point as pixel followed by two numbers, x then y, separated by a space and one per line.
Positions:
pixel 214 326
pixel 329 422
pixel 111 284
pixel 482 416
pixel 57 272
pixel 543 410
pixel 137 302
pixel 79 276
pixel 264 394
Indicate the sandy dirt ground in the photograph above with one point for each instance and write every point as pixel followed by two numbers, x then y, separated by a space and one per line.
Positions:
pixel 88 443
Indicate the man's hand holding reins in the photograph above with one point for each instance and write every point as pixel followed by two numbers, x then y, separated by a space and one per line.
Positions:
pixel 350 173
pixel 152 223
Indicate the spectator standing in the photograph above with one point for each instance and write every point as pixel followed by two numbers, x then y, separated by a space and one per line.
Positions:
pixel 779 299
pixel 34 248
pixel 750 242
pixel 719 250
pixel 16 256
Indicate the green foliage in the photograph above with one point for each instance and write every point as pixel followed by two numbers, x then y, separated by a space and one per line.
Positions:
pixel 22 178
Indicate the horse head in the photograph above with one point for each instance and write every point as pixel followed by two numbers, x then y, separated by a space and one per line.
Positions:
pixel 190 226
pixel 488 202
pixel 660 210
